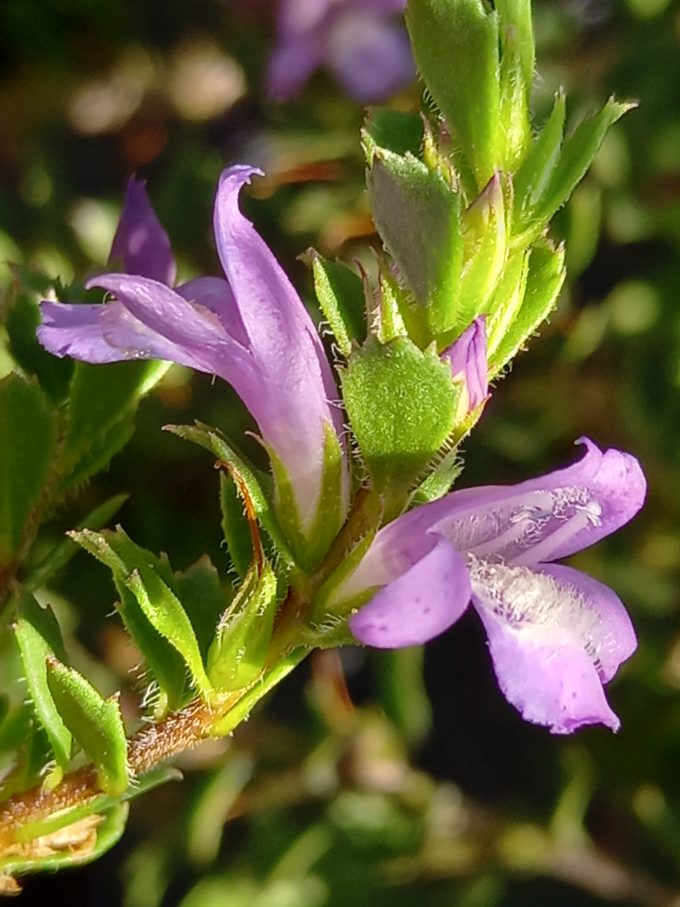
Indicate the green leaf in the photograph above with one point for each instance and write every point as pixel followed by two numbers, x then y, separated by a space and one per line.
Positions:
pixel 543 284
pixel 456 47
pixel 235 528
pixel 417 214
pixel 514 109
pixel 531 181
pixel 440 478
pixel 95 723
pixel 121 555
pixel 238 653
pixel 340 293
pixel 516 21
pixel 165 613
pixel 27 429
pixel 578 153
pixel 21 318
pixel 38 636
pixel 507 299
pixel 485 252
pixel 204 599
pixel 102 404
pixel 396 130
pixel 99 455
pixel 211 440
pixel 57 558
pixel 401 403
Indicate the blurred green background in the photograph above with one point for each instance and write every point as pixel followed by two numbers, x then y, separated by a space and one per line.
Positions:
pixel 371 779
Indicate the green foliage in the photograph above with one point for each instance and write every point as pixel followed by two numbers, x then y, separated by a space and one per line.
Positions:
pixel 456 46
pixel 212 441
pixel 238 652
pixel 166 615
pixel 102 403
pixel 340 294
pixel 28 431
pixel 123 558
pixel 417 214
pixel 401 405
pixel 95 723
pixel 548 178
pixel 39 638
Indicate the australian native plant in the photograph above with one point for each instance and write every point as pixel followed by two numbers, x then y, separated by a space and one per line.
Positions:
pixel 357 534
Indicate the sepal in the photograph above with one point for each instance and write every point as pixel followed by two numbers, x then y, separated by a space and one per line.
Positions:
pixel 210 439
pixel 238 653
pixel 417 213
pixel 95 723
pixel 340 294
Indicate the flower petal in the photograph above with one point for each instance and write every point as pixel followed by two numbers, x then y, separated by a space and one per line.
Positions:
pixel 293 399
pixel 215 294
pixel 545 518
pixel 194 332
pixel 370 56
pixel 140 242
pixel 76 330
pixel 468 361
pixel 423 602
pixel 106 333
pixel 555 635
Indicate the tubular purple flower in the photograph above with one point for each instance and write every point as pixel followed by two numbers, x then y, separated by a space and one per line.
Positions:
pixel 252 330
pixel 555 634
pixel 468 360
pixel 357 40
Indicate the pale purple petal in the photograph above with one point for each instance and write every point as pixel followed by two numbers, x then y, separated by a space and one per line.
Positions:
pixel 423 602
pixel 542 519
pixel 109 333
pixel 76 330
pixel 298 17
pixel 194 330
pixel 294 398
pixel 468 361
pixel 291 65
pixel 369 55
pixel 554 636
pixel 215 294
pixel 549 517
pixel 141 243
pixel 610 639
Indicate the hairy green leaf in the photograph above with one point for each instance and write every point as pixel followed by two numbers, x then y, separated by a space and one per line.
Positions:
pixel 28 432
pixel 95 723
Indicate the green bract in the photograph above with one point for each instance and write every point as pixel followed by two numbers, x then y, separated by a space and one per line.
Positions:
pixel 401 404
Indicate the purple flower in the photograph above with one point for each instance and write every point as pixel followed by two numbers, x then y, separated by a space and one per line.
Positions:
pixel 359 41
pixel 141 244
pixel 468 361
pixel 251 329
pixel 555 634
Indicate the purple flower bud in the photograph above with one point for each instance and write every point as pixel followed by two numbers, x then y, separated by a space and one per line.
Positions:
pixel 555 635
pixel 468 361
pixel 141 244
